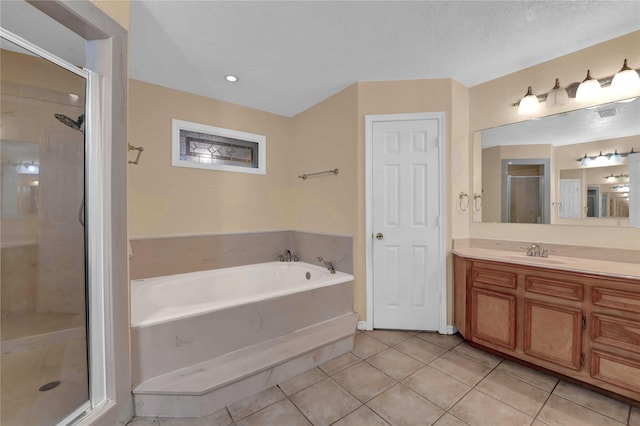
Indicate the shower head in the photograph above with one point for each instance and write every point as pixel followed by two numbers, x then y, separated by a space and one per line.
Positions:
pixel 76 125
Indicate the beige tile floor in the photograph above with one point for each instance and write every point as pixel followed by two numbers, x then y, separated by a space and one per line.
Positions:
pixel 407 378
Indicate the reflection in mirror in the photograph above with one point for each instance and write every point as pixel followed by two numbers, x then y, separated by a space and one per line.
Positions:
pixel 531 172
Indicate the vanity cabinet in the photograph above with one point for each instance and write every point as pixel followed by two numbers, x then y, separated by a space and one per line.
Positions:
pixel 583 326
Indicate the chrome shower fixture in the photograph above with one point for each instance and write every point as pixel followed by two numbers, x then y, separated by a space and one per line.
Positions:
pixel 76 125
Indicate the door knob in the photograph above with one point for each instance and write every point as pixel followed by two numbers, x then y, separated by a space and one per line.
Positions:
pixel 379 236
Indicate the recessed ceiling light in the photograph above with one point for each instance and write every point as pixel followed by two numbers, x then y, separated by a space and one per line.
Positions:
pixel 231 78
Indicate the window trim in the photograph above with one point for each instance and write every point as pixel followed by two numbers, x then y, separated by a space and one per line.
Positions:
pixel 178 125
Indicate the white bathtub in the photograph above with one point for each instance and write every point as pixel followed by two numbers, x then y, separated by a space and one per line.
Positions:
pixel 162 299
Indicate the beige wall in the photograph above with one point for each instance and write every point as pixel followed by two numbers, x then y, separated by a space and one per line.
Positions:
pixel 165 200
pixel 490 106
pixel 118 10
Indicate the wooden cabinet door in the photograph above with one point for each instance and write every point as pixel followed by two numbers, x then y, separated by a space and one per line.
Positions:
pixel 493 318
pixel 553 333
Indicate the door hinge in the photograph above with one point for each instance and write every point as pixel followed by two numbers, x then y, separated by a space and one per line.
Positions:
pixel 582 359
pixel 584 322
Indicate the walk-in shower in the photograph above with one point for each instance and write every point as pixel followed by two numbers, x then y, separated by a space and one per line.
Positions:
pixel 44 358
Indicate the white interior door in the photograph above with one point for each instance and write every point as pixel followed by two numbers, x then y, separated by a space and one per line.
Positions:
pixel 406 224
pixel 570 199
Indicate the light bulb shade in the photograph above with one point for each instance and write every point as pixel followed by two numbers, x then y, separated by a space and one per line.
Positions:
pixel 529 104
pixel 586 161
pixel 616 158
pixel 557 96
pixel 589 89
pixel 626 80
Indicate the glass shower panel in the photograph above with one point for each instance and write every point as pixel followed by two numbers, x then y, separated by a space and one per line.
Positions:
pixel 524 199
pixel 43 323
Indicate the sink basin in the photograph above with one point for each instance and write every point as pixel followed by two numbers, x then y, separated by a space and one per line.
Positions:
pixel 532 259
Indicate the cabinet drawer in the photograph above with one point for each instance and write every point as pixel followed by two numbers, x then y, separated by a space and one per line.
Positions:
pixel 493 317
pixel 616 299
pixel 617 370
pixel 618 332
pixel 494 277
pixel 562 289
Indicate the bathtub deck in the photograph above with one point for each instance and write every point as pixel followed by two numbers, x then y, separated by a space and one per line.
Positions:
pixel 205 387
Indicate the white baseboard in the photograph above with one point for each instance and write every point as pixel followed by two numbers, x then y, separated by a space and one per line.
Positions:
pixel 451 329
pixel 364 325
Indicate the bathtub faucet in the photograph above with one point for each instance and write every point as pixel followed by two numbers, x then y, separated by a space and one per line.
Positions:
pixel 328 264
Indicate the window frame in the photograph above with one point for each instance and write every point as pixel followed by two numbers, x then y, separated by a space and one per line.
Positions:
pixel 260 140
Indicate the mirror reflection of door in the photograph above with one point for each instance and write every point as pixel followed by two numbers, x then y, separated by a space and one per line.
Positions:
pixel 570 199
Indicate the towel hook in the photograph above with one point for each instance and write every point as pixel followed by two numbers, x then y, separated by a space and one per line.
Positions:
pixel 135 148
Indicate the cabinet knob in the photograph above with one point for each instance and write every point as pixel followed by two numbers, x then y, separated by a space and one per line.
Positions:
pixel 379 236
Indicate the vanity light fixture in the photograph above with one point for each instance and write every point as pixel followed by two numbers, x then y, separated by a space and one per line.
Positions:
pixel 557 96
pixel 589 89
pixel 626 79
pixel 616 158
pixel 605 159
pixel 231 78
pixel 585 161
pixel 529 104
pixel 613 177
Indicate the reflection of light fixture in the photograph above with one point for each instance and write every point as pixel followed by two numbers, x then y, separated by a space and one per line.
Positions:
pixel 589 89
pixel 557 96
pixel 621 188
pixel 626 79
pixel 34 182
pixel 605 159
pixel 611 177
pixel 30 168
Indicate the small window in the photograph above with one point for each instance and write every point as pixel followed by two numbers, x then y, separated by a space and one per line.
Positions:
pixel 207 147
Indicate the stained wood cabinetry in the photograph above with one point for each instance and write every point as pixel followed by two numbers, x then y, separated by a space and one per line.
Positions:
pixel 583 326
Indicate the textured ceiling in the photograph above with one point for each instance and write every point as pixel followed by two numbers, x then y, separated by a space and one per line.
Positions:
pixel 291 55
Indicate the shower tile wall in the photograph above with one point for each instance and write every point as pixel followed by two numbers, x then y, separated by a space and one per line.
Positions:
pixel 20 280
pixel 153 257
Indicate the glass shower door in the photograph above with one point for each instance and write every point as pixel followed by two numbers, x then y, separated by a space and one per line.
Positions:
pixel 44 361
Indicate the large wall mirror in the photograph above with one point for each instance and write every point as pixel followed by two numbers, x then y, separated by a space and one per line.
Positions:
pixel 536 172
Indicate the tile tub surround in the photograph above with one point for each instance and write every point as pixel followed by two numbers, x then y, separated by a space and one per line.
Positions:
pixel 155 257
pixel 503 393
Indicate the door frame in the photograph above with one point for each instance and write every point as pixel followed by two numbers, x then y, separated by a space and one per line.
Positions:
pixel 368 235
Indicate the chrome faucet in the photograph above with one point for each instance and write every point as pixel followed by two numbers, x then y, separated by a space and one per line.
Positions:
pixel 533 250
pixel 287 255
pixel 327 264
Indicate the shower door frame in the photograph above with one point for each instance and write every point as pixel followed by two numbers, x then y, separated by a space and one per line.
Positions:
pixel 98 241
pixel 545 186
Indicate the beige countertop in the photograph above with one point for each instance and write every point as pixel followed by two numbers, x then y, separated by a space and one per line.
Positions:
pixel 574 264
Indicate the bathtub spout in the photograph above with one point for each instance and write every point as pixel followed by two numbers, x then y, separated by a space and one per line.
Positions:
pixel 327 264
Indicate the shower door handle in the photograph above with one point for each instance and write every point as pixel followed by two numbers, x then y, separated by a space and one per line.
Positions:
pixel 81 213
